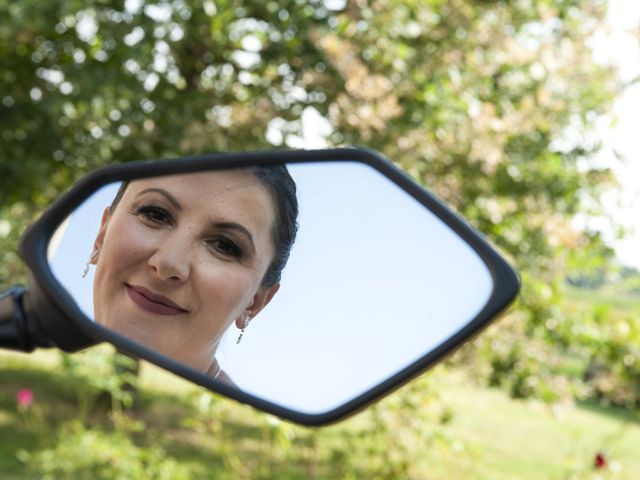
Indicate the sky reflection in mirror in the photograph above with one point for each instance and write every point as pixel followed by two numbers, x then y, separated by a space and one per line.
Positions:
pixel 374 282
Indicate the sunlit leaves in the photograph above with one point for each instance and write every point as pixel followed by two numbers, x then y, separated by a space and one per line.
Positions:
pixel 490 104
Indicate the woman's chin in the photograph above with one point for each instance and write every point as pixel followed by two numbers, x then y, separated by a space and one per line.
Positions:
pixel 159 333
pixel 136 328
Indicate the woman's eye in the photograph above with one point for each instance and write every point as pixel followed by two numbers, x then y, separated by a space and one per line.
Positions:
pixel 157 215
pixel 226 247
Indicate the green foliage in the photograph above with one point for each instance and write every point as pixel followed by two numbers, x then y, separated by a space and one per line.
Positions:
pixel 442 426
pixel 472 98
pixel 491 105
pixel 88 454
pixel 103 371
pixel 359 448
pixel 415 416
pixel 607 335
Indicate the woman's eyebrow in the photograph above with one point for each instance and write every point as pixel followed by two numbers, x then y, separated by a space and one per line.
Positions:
pixel 166 194
pixel 236 226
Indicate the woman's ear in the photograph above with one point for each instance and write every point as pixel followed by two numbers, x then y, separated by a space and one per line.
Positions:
pixel 260 300
pixel 97 243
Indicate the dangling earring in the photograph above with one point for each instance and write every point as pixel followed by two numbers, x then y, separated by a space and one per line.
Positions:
pixel 91 259
pixel 245 324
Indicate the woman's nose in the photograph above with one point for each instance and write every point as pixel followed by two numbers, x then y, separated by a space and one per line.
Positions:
pixel 171 260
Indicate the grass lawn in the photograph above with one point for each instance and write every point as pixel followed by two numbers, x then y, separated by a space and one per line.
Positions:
pixel 490 435
pixel 476 432
pixel 612 295
pixel 503 438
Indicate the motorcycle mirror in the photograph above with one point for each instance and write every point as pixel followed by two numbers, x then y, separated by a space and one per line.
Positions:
pixel 195 265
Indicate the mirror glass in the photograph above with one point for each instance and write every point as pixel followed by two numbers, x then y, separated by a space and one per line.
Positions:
pixel 374 280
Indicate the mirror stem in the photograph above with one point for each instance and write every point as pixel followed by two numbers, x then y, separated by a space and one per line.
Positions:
pixel 14 331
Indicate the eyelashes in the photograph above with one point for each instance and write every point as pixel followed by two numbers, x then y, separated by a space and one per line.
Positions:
pixel 221 245
pixel 155 215
pixel 226 247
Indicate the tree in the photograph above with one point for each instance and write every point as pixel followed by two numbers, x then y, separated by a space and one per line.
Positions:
pixel 475 99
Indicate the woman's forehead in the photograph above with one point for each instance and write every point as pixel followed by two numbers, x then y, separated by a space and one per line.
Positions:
pixel 201 184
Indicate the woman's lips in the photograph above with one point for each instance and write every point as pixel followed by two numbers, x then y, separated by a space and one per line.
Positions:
pixel 151 302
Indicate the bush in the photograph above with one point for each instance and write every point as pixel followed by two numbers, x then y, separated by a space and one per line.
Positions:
pixel 96 454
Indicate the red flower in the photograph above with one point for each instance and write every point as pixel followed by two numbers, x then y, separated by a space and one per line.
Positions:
pixel 600 461
pixel 24 398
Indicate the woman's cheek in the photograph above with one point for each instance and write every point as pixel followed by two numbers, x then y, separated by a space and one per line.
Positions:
pixel 133 244
pixel 227 280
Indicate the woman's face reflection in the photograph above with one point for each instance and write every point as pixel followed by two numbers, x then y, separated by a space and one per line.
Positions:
pixel 181 258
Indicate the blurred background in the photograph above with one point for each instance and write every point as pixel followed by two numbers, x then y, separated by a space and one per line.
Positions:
pixel 521 114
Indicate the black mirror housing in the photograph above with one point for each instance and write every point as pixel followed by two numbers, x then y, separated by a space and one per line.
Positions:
pixel 55 318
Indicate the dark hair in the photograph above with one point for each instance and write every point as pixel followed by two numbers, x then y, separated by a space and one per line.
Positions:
pixel 282 188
